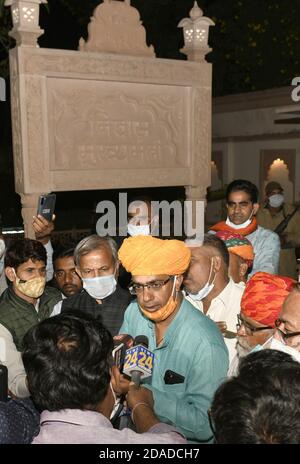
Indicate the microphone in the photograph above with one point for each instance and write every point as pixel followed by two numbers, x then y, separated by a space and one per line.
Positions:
pixel 122 342
pixel 139 360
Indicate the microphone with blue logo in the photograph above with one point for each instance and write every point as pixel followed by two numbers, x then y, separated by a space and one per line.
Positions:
pixel 139 360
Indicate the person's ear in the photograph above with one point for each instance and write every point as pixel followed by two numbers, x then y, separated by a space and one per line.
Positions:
pixel 255 208
pixel 243 268
pixel 178 282
pixel 217 263
pixel 117 269
pixel 10 274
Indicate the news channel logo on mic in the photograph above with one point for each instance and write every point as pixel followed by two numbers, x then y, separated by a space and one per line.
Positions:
pixel 139 358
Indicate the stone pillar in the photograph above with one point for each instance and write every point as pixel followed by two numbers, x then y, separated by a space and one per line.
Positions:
pixel 195 210
pixel 29 209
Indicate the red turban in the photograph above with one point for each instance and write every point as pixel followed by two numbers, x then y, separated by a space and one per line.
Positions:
pixel 263 297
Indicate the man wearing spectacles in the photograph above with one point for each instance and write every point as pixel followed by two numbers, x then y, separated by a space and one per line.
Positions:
pixel 191 358
pixel 288 325
pixel 260 307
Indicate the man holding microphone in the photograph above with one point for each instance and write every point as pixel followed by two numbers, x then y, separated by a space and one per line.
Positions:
pixel 190 357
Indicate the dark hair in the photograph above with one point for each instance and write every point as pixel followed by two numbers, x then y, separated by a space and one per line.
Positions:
pixel 215 242
pixel 245 186
pixel 261 404
pixel 63 252
pixel 259 361
pixel 20 251
pixel 67 360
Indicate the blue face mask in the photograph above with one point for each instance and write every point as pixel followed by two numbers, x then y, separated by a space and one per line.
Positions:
pixel 100 287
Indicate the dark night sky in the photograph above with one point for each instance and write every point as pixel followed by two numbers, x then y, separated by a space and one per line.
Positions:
pixel 256 45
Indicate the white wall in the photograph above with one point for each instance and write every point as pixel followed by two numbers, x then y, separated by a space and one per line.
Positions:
pixel 242 159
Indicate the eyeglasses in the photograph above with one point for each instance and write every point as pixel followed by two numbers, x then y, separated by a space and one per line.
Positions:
pixel 137 289
pixel 284 335
pixel 250 329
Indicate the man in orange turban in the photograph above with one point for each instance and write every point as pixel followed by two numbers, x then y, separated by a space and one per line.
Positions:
pixel 241 255
pixel 260 306
pixel 191 358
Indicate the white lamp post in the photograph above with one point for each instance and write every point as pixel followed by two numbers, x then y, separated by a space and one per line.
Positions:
pixel 196 31
pixel 25 17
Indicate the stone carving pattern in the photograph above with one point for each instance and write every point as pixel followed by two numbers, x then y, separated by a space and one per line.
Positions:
pixel 37 61
pixel 202 134
pixel 147 132
pixel 37 168
pixel 115 27
pixel 16 122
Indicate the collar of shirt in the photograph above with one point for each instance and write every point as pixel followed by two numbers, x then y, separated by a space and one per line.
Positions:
pixel 177 321
pixel 37 305
pixel 76 417
pixel 224 296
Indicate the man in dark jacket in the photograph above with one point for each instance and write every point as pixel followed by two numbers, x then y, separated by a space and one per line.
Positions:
pixel 23 304
pixel 96 260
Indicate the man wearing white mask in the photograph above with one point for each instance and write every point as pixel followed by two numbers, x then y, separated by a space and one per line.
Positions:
pixel 96 261
pixel 242 207
pixel 140 221
pixel 211 290
pixel 274 213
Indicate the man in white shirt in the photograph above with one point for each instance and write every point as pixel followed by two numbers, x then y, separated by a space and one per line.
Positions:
pixel 211 290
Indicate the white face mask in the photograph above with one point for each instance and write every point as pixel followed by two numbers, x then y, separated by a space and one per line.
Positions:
pixel 204 291
pixel 100 287
pixel 275 344
pixel 2 247
pixel 276 200
pixel 240 226
pixel 134 230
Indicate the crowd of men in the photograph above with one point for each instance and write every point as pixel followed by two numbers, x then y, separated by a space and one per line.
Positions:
pixel 221 317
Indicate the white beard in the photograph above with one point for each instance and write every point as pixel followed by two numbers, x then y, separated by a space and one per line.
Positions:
pixel 241 351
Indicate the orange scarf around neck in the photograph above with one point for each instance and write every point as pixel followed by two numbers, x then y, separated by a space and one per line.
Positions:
pixel 245 231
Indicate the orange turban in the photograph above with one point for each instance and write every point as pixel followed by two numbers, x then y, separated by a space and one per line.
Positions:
pixel 264 295
pixel 147 255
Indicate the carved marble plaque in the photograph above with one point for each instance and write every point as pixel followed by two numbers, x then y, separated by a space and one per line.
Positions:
pixel 84 121
pixel 112 125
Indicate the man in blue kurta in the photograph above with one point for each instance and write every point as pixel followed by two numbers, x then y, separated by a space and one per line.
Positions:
pixel 191 359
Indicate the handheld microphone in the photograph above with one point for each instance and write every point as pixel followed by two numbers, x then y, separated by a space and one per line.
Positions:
pixel 122 342
pixel 139 360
